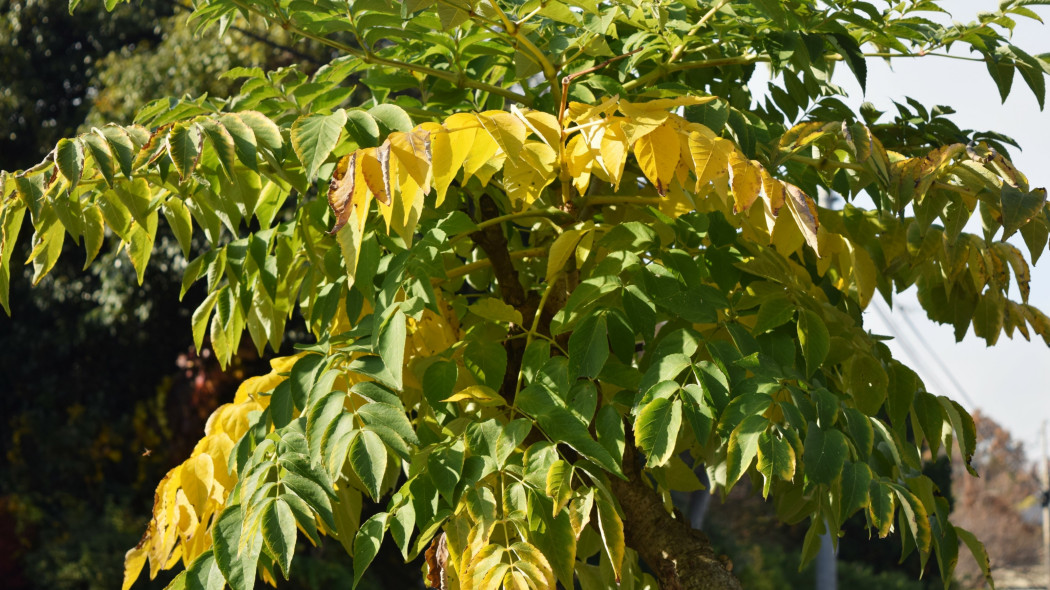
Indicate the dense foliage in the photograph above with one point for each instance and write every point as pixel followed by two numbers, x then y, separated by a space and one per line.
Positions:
pixel 555 263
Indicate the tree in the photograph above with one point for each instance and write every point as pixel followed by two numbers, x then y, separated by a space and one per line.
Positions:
pixel 548 285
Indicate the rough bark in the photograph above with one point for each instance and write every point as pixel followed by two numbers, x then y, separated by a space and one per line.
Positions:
pixel 494 243
pixel 681 557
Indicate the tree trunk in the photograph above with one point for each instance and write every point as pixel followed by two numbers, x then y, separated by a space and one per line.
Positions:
pixel 680 556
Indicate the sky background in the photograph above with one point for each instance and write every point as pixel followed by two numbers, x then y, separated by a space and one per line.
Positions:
pixel 1009 382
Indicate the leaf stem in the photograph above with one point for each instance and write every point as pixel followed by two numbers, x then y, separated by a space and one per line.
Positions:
pixel 677 52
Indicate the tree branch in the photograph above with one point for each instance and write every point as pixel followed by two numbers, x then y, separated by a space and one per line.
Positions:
pixel 679 555
pixel 494 243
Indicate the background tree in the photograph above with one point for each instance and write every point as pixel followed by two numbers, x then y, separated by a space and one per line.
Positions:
pixel 74 438
pixel 488 366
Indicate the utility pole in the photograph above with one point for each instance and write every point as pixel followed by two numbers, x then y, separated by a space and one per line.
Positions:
pixel 1045 472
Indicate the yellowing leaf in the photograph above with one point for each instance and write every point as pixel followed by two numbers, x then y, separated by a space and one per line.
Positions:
pixel 375 166
pixel 710 156
pixel 525 176
pixel 746 181
pixel 412 151
pixel 543 125
pixel 133 562
pixel 804 210
pixel 579 160
pixel 507 130
pixel 582 112
pixel 657 155
pixel 343 188
pixel 479 394
pixel 614 151
pixel 562 250
pixel 198 473
pixel 480 149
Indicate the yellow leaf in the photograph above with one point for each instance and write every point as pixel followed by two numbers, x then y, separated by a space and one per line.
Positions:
pixel 746 181
pixel 657 154
pixel 133 562
pixel 710 156
pixel 804 210
pixel 614 150
pixel 863 274
pixel 534 565
pixel 515 580
pixel 347 192
pixel 525 176
pixel 562 250
pixel 375 166
pixel 772 198
pixel 507 130
pixel 480 149
pixel 581 112
pixel 413 153
pixel 479 394
pixel 642 114
pixel 407 206
pixel 449 149
pixel 667 104
pixel 543 125
pixel 804 134
pixel 198 474
pixel 349 238
pixel 579 162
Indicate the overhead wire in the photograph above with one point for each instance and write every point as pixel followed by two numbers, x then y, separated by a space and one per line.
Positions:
pixel 905 343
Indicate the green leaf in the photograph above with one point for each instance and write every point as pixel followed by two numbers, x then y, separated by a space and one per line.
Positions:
pixel 610 527
pixel 881 507
pixel 562 250
pixel 11 216
pixel 69 156
pixel 100 152
pixel 393 117
pixel 222 142
pixel 314 137
pixel 279 532
pixel 444 466
pixel 266 133
pixel 555 419
pixel 848 47
pixel 495 310
pixel 774 312
pixel 204 574
pixel 439 381
pixel 244 144
pixel 979 554
pixel 366 543
pixel 1019 207
pixel 122 146
pixel 743 446
pixel 813 338
pixel 856 483
pixel 184 147
pixel 608 425
pixel 178 216
pixel 559 485
pixel 824 455
pixel 589 347
pixel 368 457
pixel 657 429
pixel 238 569
pixel 487 362
pixel 776 459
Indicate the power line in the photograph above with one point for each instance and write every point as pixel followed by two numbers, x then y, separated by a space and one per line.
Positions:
pixel 905 343
pixel 940 362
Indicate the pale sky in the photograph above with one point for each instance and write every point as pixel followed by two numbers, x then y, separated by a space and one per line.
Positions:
pixel 1011 381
